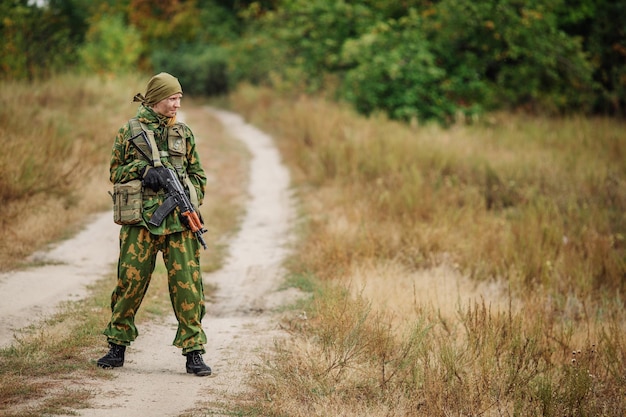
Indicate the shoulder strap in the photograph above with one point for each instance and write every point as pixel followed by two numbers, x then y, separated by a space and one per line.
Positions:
pixel 136 127
pixel 193 195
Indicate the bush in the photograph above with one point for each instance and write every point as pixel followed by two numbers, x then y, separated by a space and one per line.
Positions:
pixel 516 50
pixel 393 70
pixel 111 46
pixel 36 41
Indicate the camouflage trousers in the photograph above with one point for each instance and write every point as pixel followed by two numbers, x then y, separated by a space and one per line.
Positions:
pixel 138 254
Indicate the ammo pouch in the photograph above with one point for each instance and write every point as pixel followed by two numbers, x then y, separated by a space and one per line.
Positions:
pixel 127 202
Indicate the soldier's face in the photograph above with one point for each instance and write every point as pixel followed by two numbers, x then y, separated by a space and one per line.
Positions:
pixel 168 106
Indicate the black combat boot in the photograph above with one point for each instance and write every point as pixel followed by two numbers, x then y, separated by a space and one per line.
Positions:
pixel 113 359
pixel 195 364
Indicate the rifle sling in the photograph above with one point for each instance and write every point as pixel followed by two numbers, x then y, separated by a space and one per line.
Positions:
pixel 156 157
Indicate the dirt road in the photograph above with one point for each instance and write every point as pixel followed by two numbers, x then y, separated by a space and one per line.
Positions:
pixel 239 321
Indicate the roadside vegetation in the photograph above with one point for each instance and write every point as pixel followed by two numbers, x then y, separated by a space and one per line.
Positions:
pixel 54 179
pixel 55 138
pixel 535 204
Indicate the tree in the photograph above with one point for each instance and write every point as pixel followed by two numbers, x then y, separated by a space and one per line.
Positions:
pixel 37 41
pixel 164 24
pixel 111 46
pixel 517 48
pixel 601 26
pixel 394 70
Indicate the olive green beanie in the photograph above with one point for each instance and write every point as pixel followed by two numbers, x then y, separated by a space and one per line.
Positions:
pixel 159 87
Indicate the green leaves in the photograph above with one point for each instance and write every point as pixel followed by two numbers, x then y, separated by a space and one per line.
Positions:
pixel 413 59
pixel 111 46
pixel 393 69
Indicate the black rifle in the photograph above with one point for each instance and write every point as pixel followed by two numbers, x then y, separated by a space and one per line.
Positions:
pixel 176 195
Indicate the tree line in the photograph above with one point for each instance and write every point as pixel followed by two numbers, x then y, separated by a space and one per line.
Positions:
pixel 411 59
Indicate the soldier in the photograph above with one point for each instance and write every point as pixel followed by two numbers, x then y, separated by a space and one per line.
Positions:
pixel 140 241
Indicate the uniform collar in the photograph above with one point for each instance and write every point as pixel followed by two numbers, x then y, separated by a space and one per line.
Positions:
pixel 152 119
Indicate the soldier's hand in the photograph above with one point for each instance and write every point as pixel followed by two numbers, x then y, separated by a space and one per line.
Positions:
pixel 152 178
pixel 184 220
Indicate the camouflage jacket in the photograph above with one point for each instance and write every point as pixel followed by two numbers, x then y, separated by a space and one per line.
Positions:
pixel 127 164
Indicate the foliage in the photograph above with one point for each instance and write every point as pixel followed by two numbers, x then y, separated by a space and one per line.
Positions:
pixel 410 59
pixel 432 61
pixel 185 38
pixel 219 22
pixel 111 46
pixel 164 23
pixel 257 58
pixel 392 68
pixel 36 42
pixel 312 34
pixel 601 26
pixel 515 50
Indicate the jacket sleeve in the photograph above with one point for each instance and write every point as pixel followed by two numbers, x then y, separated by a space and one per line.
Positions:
pixel 194 167
pixel 126 165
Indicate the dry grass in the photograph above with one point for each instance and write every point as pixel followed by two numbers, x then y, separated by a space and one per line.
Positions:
pixel 456 270
pixel 41 368
pixel 539 202
pixel 56 138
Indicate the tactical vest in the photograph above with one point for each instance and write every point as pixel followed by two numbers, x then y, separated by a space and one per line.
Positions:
pixel 176 152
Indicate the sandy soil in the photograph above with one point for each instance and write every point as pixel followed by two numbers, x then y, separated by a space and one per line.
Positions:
pixel 240 321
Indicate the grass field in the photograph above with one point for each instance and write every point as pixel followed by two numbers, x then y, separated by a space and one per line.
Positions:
pixel 531 206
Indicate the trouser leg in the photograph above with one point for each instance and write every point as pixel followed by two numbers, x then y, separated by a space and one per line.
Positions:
pixel 181 255
pixel 138 250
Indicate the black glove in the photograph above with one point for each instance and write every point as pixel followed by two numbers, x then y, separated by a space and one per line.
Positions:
pixel 184 220
pixel 152 178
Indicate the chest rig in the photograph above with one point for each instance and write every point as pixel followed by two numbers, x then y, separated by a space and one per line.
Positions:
pixel 176 152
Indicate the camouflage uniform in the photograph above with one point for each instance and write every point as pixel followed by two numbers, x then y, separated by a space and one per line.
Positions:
pixel 140 243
